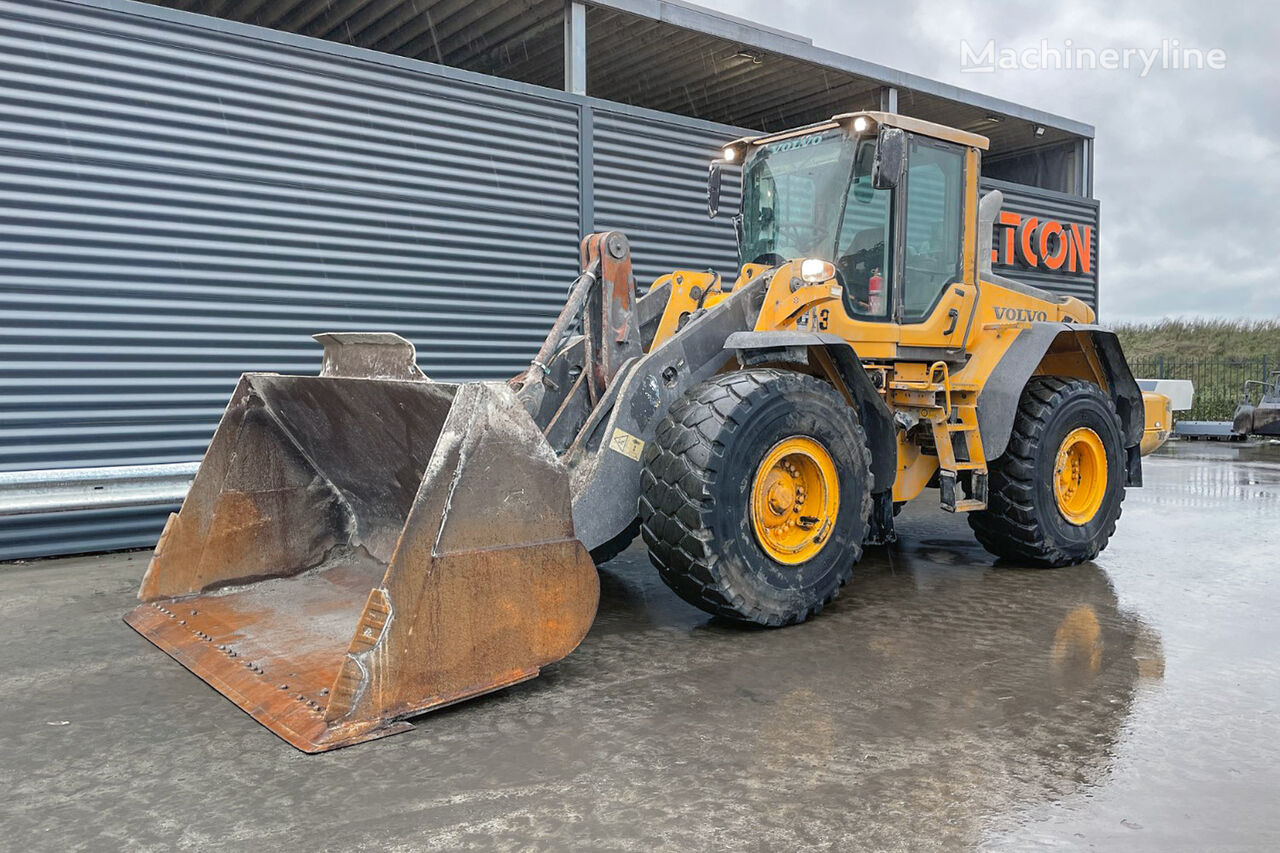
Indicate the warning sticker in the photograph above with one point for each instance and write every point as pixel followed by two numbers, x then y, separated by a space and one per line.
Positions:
pixel 627 444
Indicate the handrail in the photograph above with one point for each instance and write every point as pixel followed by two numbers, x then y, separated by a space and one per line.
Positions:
pixel 945 382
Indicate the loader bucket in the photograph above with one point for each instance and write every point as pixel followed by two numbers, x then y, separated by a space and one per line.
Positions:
pixel 356 549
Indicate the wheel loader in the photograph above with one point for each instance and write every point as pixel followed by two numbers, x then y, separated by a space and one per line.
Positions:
pixel 364 545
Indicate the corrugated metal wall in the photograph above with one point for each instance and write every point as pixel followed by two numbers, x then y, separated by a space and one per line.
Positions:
pixel 180 206
pixel 1064 209
pixel 183 199
pixel 644 170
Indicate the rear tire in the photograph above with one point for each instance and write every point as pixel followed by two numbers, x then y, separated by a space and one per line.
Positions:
pixel 703 471
pixel 1026 520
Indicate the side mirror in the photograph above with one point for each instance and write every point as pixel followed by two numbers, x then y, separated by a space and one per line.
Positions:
pixel 891 157
pixel 713 189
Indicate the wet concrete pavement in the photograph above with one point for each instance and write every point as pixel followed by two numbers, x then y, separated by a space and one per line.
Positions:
pixel 941 703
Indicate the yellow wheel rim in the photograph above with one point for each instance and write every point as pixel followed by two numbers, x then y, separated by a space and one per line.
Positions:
pixel 1080 476
pixel 794 500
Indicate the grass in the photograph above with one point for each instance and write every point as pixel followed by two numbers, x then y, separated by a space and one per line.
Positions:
pixel 1193 339
pixel 1216 355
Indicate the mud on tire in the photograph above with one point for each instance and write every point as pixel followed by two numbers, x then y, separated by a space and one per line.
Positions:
pixel 696 488
pixel 1022 522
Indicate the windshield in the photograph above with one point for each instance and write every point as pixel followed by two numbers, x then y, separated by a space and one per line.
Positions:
pixel 793 196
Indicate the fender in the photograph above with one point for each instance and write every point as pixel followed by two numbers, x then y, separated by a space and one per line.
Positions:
pixel 998 400
pixel 877 420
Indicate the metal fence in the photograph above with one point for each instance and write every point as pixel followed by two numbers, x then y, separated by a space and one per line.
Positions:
pixel 1218 382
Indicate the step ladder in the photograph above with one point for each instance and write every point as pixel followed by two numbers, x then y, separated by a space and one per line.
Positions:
pixel 962 465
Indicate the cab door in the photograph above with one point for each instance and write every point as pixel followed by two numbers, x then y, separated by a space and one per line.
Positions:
pixel 936 294
pixel 864 261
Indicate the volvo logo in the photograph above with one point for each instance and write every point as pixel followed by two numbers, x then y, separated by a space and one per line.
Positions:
pixel 798 142
pixel 1020 315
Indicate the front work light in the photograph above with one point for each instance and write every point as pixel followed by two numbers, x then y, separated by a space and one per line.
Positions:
pixel 728 154
pixel 861 124
pixel 816 270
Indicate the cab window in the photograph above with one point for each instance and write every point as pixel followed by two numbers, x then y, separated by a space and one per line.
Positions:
pixel 935 189
pixel 863 244
pixel 791 193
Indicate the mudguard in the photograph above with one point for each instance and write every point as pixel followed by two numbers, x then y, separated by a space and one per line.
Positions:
pixel 877 420
pixel 998 400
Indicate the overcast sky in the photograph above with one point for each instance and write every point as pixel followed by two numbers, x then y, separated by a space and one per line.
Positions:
pixel 1187 165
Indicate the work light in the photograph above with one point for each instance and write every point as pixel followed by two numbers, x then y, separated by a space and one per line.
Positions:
pixel 816 270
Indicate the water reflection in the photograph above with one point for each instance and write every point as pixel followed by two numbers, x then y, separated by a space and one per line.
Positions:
pixel 1195 475
pixel 937 693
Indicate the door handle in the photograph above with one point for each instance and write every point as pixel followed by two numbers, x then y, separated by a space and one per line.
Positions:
pixel 954 315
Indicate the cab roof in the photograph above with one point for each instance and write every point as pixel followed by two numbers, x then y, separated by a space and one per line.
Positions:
pixel 845 120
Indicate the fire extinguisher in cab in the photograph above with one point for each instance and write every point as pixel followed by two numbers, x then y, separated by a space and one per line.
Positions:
pixel 875 293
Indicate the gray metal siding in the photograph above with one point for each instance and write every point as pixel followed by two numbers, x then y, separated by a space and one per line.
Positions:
pixel 184 200
pixel 181 204
pixel 81 532
pixel 1060 207
pixel 650 182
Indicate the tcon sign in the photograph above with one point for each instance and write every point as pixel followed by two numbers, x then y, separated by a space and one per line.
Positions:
pixel 1043 244
pixel 1046 239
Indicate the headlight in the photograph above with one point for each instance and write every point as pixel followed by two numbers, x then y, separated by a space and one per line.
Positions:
pixel 728 154
pixel 816 270
pixel 861 124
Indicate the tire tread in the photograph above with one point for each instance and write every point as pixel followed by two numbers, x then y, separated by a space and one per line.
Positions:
pixel 680 471
pixel 1008 527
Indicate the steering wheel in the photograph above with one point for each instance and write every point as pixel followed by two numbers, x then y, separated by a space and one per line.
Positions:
pixel 769 259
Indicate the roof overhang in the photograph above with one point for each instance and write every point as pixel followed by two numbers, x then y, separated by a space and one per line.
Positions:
pixel 777 42
pixel 664 55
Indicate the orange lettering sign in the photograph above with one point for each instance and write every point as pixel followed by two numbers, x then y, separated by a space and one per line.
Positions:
pixel 1043 244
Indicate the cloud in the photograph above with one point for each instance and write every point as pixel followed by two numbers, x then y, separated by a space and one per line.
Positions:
pixel 1187 166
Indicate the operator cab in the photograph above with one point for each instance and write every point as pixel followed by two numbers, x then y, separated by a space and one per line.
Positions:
pixel 880 196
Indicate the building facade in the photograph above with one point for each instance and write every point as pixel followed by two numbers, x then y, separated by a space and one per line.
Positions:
pixel 190 196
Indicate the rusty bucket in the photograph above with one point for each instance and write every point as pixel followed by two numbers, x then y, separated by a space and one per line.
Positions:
pixel 364 545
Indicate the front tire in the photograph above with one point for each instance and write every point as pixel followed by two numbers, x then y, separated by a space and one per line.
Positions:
pixel 756 496
pixel 605 552
pixel 1055 494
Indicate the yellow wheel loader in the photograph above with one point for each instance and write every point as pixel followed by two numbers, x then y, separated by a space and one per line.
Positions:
pixel 366 544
